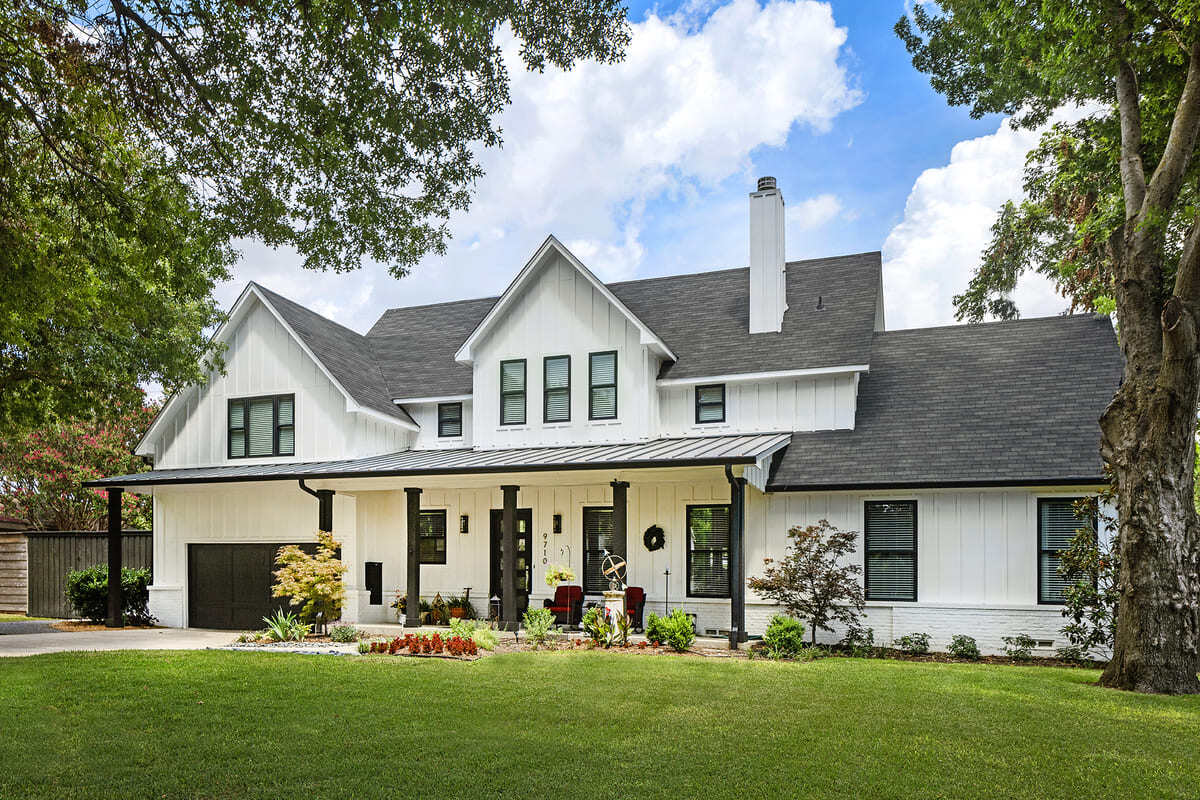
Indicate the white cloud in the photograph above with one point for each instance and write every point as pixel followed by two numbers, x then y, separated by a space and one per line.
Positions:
pixel 814 212
pixel 931 254
pixel 586 151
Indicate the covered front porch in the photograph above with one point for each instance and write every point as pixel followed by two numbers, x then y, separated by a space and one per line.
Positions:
pixel 488 530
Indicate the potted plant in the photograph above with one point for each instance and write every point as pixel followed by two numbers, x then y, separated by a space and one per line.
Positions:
pixel 557 574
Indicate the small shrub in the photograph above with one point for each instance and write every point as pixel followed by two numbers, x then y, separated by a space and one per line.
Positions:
pixel 87 591
pixel 674 630
pixel 312 582
pixel 859 641
pixel 249 637
pixel 286 627
pixel 475 630
pixel 364 647
pixel 965 647
pixel 538 622
pixel 1072 652
pixel 595 625
pixel 914 644
pixel 1019 647
pixel 343 633
pixel 784 637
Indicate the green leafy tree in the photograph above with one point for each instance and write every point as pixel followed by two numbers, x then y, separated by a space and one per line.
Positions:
pixel 42 470
pixel 1091 566
pixel 139 138
pixel 1111 215
pixel 813 581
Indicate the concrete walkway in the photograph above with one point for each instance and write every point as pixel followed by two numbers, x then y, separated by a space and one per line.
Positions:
pixel 32 644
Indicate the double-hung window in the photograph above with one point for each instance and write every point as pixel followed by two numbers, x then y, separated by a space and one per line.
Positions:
pixel 433 536
pixel 597 538
pixel 556 389
pixel 890 538
pixel 262 426
pixel 1057 526
pixel 602 385
pixel 450 419
pixel 710 403
pixel 708 551
pixel 512 392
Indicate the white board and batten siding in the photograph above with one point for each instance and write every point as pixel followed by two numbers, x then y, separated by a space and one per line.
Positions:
pixel 809 403
pixel 263 358
pixel 559 312
pixel 426 416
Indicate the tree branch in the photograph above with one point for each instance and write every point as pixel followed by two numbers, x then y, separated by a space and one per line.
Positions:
pixel 1167 180
pixel 1133 176
pixel 156 36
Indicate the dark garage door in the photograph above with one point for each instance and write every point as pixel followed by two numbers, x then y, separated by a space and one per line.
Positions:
pixel 229 585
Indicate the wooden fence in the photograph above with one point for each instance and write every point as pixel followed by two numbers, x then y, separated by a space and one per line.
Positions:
pixel 14 581
pixel 54 554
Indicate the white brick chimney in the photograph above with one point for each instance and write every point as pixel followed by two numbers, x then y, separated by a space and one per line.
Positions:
pixel 768 294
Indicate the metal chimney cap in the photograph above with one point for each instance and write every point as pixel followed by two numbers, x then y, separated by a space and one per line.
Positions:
pixel 766 182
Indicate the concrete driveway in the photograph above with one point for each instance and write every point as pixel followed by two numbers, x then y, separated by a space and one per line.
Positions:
pixel 32 644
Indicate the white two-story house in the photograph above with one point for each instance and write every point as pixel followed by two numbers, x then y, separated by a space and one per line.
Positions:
pixel 476 443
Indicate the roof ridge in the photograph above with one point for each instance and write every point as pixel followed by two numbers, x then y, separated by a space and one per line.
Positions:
pixel 309 310
pixel 995 323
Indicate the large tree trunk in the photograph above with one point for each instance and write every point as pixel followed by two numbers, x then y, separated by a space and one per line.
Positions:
pixel 1147 438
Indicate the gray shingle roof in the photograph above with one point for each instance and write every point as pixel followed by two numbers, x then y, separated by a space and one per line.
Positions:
pixel 1005 402
pixel 415 347
pixel 676 452
pixel 347 355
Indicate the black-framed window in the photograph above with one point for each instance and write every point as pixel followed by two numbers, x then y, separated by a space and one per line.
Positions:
pixel 262 426
pixel 602 385
pixel 708 551
pixel 710 403
pixel 450 419
pixel 890 547
pixel 556 389
pixel 598 536
pixel 433 536
pixel 1057 526
pixel 512 392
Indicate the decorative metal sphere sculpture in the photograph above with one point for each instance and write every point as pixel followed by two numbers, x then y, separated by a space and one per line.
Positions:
pixel 613 568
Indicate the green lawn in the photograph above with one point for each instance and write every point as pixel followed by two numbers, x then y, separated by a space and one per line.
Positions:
pixel 579 725
pixel 6 617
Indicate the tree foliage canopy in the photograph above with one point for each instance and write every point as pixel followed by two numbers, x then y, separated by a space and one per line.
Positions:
pixel 139 138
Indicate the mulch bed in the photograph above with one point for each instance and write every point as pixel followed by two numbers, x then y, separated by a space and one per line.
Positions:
pixel 75 626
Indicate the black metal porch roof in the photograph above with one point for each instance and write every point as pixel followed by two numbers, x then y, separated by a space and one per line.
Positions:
pixel 677 452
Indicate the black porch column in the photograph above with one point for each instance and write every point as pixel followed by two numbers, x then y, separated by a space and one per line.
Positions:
pixel 737 560
pixel 412 602
pixel 115 618
pixel 508 561
pixel 325 510
pixel 620 512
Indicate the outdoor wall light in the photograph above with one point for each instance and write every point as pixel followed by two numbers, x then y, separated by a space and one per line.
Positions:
pixel 558 523
pixel 464 524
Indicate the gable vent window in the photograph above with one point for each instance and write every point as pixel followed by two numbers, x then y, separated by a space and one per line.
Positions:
pixel 598 537
pixel 1057 526
pixel 710 403
pixel 602 385
pixel 891 550
pixel 512 392
pixel 262 426
pixel 708 551
pixel 433 537
pixel 556 374
pixel 450 419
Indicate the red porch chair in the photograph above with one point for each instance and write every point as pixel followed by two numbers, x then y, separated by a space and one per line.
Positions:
pixel 635 604
pixel 567 604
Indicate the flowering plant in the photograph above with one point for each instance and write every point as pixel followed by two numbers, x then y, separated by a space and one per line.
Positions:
pixel 558 574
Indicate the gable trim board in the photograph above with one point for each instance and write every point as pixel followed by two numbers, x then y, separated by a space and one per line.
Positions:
pixel 552 245
pixel 763 376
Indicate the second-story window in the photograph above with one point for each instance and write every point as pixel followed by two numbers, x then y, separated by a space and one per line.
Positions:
pixel 262 426
pixel 556 380
pixel 449 419
pixel 710 403
pixel 602 385
pixel 512 392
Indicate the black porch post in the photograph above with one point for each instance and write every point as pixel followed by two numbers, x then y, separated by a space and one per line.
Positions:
pixel 620 511
pixel 325 510
pixel 412 602
pixel 115 618
pixel 508 561
pixel 737 559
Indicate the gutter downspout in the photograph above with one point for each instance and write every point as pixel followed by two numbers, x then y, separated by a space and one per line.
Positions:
pixel 324 506
pixel 737 564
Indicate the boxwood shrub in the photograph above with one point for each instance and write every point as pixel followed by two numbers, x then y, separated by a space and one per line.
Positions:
pixel 87 591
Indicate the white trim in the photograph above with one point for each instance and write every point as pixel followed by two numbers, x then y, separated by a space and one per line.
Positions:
pixel 446 398
pixel 235 318
pixel 648 337
pixel 763 376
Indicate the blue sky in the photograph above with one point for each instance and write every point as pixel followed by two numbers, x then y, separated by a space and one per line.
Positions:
pixel 643 168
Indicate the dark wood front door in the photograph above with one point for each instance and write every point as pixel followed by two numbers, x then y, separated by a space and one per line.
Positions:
pixel 524 519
